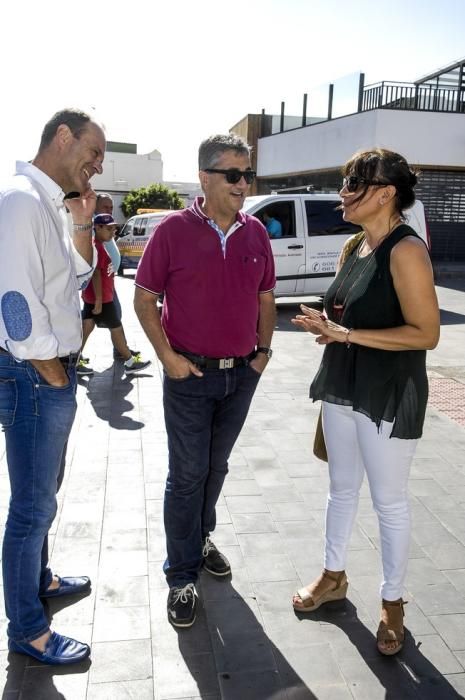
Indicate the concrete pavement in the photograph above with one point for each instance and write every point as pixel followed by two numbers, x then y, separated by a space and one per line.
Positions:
pixel 247 643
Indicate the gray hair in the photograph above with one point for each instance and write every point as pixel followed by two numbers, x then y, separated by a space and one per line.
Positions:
pixel 211 150
pixel 104 195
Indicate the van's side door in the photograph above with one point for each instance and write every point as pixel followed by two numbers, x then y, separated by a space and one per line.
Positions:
pixel 326 233
pixel 288 247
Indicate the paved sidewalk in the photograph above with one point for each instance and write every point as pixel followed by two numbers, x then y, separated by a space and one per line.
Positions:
pixel 247 643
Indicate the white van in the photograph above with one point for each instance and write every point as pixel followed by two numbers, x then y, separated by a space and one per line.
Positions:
pixel 134 235
pixel 313 232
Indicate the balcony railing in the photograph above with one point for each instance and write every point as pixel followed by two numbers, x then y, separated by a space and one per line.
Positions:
pixel 390 95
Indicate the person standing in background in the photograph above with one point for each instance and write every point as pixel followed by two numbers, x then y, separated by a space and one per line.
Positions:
pixel 105 206
pixel 99 308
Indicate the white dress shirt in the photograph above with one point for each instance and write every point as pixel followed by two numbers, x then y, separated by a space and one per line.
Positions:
pixel 41 272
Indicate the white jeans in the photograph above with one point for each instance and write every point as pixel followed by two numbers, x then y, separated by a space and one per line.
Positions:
pixel 354 446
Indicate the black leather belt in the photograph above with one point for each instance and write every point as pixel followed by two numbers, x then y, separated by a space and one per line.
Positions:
pixel 216 362
pixel 70 360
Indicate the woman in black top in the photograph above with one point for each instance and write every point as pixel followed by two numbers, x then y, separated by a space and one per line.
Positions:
pixel 381 315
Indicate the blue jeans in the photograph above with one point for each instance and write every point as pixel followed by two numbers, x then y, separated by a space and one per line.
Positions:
pixel 203 416
pixel 37 419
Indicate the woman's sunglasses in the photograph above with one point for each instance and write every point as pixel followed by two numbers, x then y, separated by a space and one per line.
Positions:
pixel 353 182
pixel 233 175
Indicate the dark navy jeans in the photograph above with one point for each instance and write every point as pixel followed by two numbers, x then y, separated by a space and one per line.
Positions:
pixel 203 416
pixel 37 419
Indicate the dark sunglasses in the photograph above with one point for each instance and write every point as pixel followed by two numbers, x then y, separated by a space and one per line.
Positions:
pixel 233 175
pixel 353 182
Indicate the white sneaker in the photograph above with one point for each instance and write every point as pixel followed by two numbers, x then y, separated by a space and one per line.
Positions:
pixel 137 365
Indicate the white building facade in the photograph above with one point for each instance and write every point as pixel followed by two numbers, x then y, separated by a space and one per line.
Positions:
pixel 124 170
pixel 424 121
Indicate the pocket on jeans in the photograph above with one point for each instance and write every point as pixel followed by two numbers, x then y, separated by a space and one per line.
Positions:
pixel 44 384
pixel 178 380
pixel 8 401
pixel 254 371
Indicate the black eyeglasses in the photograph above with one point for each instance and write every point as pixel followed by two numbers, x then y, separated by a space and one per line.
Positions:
pixel 353 182
pixel 233 175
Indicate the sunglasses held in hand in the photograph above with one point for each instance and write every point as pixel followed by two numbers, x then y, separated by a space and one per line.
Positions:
pixel 233 175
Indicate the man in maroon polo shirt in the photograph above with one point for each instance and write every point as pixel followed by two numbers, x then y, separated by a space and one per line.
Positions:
pixel 214 265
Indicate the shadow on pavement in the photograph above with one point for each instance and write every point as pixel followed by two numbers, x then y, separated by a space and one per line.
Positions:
pixel 407 675
pixel 286 312
pixel 30 680
pixel 457 283
pixel 248 666
pixel 451 318
pixel 107 392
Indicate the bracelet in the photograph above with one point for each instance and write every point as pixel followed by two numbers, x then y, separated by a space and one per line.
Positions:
pixel 348 332
pixel 83 227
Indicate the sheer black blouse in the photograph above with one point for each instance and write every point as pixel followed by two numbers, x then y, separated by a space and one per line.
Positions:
pixel 383 384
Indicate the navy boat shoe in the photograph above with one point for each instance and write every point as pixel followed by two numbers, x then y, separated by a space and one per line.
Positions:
pixel 59 650
pixel 69 585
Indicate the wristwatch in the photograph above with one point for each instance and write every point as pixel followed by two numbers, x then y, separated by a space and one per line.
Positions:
pixel 266 351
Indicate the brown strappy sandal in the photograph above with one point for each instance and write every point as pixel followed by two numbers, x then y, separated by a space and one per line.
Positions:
pixel 309 601
pixel 391 627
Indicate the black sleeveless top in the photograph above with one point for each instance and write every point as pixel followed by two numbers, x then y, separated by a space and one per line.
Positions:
pixel 382 384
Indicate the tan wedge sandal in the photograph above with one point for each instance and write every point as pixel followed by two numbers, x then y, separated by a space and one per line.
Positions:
pixel 306 600
pixel 391 627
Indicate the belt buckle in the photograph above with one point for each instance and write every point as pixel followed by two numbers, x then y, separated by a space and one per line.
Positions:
pixel 226 363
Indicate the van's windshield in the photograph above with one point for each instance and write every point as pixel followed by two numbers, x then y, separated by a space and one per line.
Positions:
pixel 127 228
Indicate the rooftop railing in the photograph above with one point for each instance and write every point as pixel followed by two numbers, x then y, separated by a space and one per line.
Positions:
pixel 407 96
pixel 421 97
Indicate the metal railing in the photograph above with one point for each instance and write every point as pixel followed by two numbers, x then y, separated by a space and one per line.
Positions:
pixel 391 95
pixel 422 97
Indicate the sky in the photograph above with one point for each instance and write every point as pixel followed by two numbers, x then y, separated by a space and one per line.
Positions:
pixel 166 75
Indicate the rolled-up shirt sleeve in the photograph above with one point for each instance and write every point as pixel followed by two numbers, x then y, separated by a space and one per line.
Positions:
pixel 25 328
pixel 84 271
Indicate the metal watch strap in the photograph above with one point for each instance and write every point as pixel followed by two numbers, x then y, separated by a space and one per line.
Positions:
pixel 82 227
pixel 266 351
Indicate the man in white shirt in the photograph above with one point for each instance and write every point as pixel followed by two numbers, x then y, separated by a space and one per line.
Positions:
pixel 42 269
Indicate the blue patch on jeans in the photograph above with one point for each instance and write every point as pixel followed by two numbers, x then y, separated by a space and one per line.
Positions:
pixel 16 316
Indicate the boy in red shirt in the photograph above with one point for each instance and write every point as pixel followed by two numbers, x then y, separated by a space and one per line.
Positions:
pixel 99 307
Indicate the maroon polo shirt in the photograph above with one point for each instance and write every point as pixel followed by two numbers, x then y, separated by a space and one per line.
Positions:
pixel 211 302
